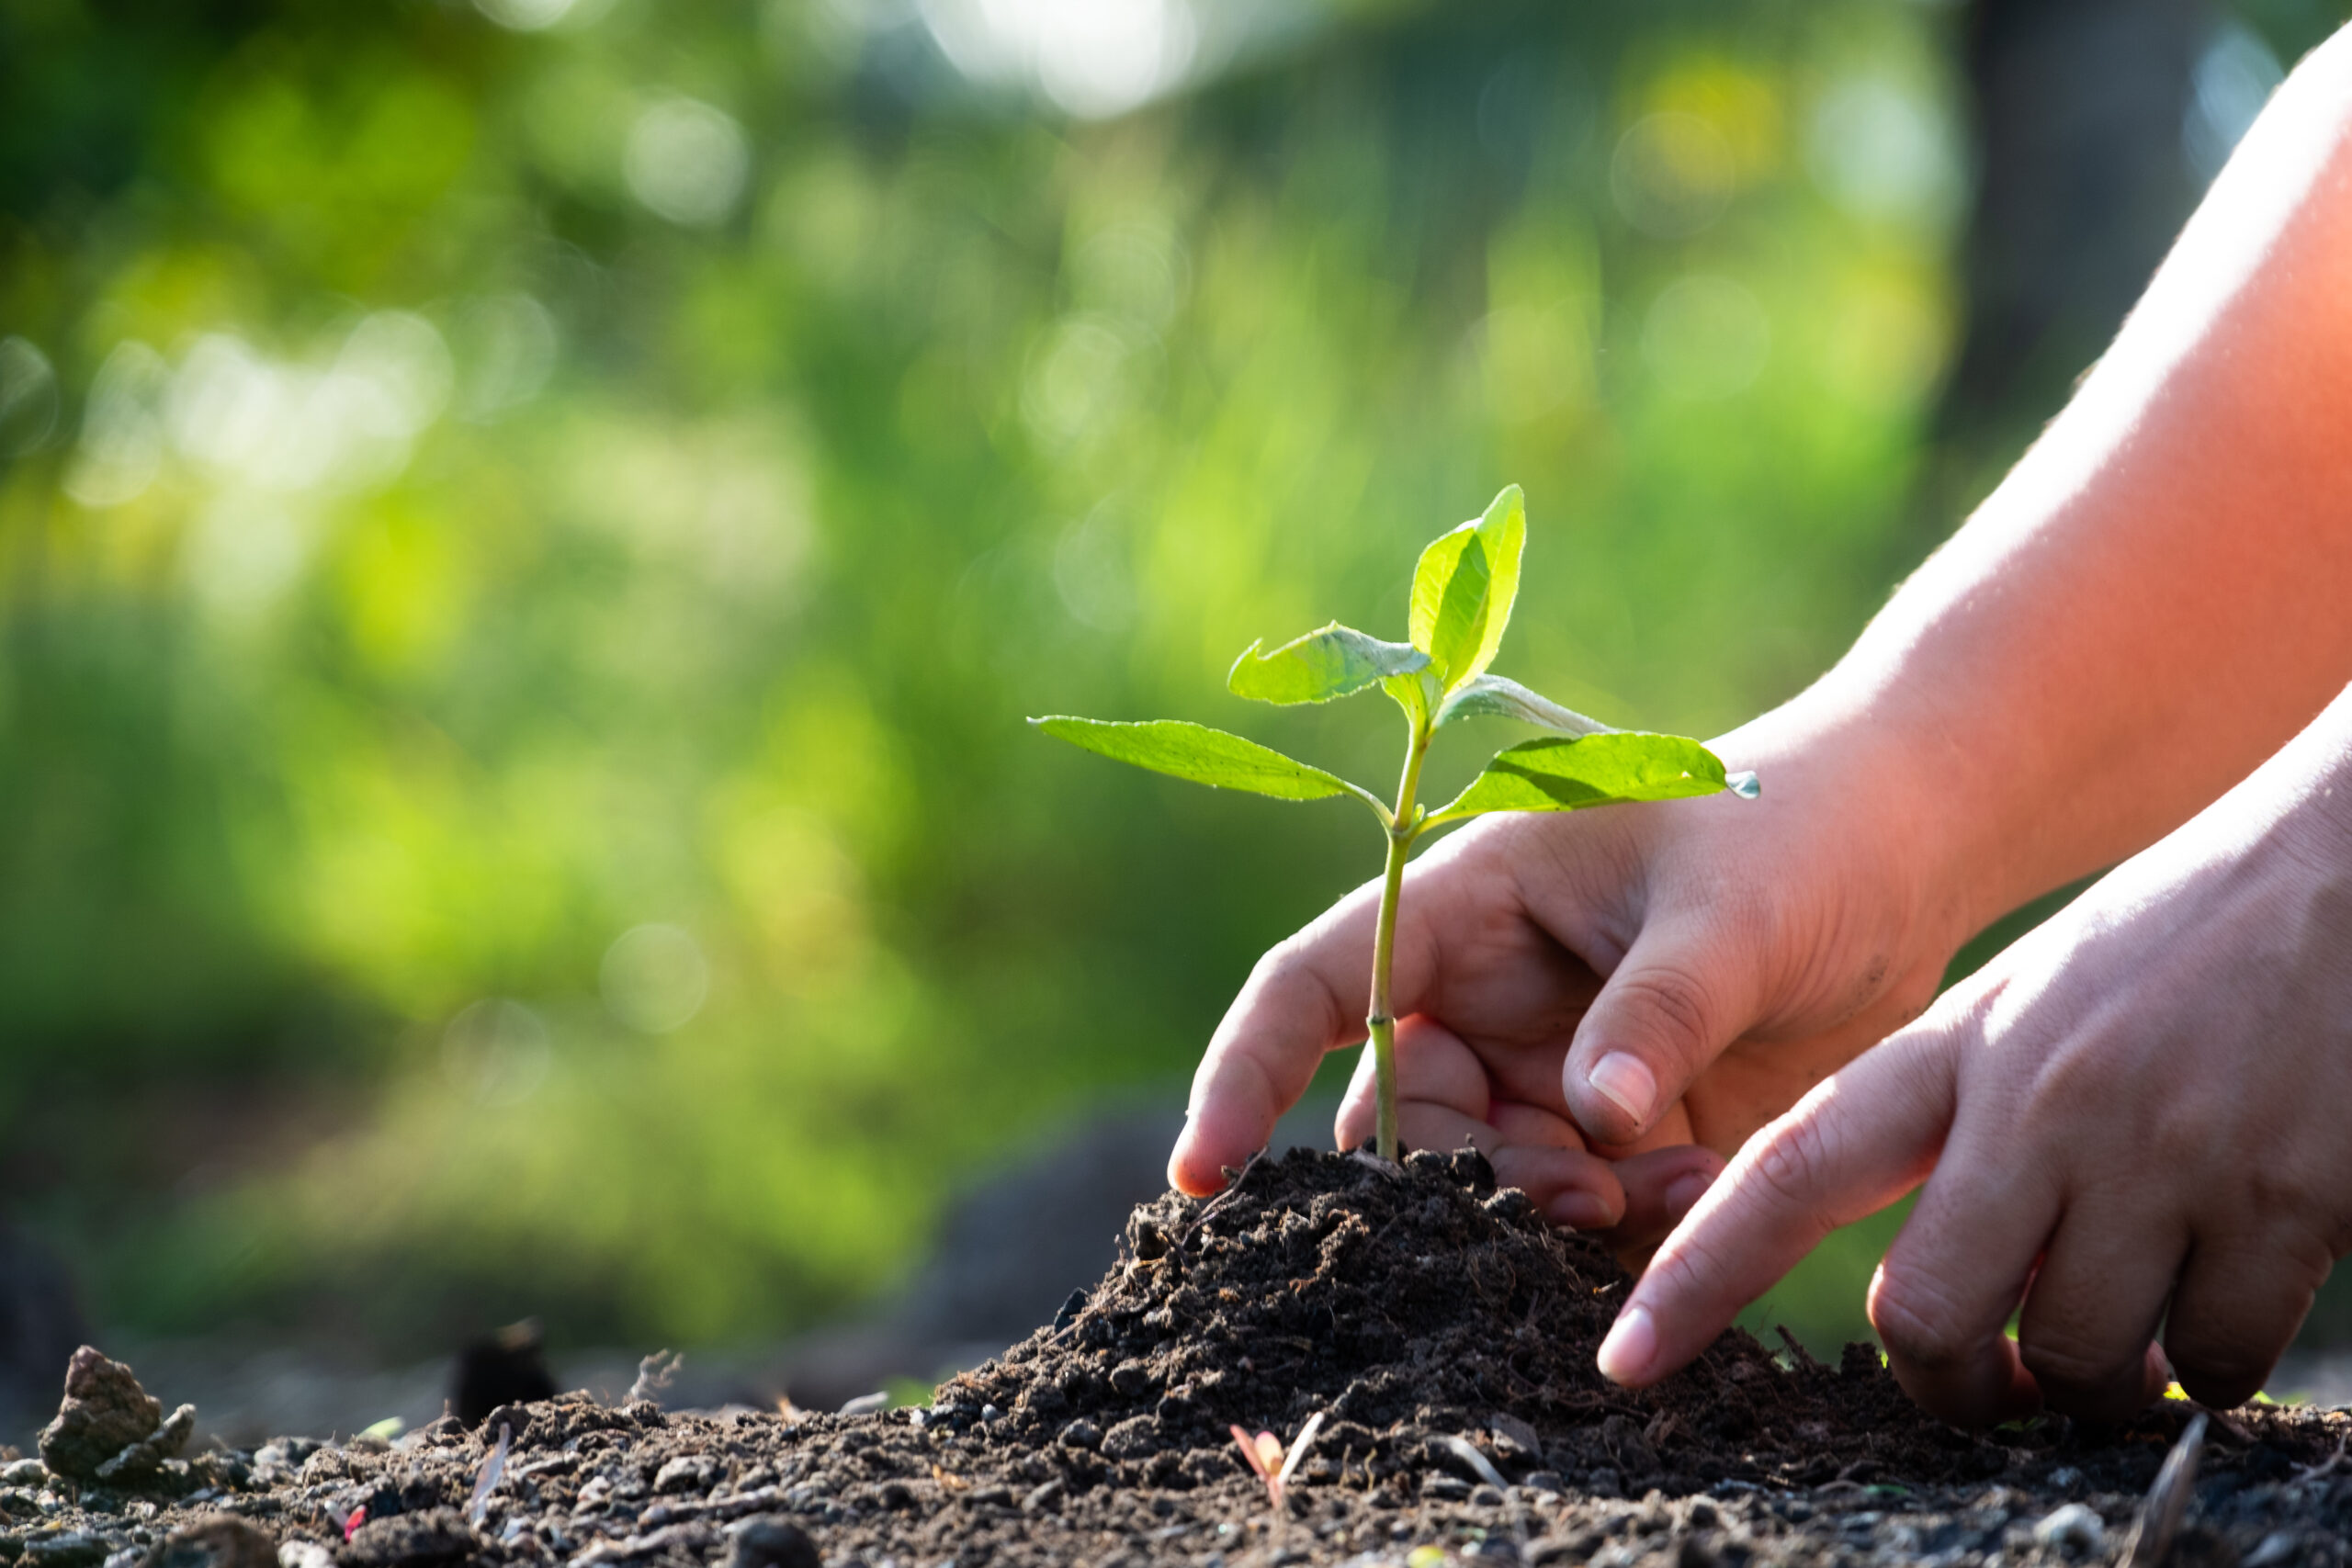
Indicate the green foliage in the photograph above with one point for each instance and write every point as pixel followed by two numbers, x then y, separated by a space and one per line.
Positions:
pixel 1464 587
pixel 1498 696
pixel 1570 773
pixel 1200 754
pixel 1336 661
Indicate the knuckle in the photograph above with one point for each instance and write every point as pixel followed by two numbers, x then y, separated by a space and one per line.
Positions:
pixel 1677 1003
pixel 1794 1160
pixel 1284 961
pixel 1683 1272
pixel 1919 1321
pixel 2075 1370
pixel 1287 977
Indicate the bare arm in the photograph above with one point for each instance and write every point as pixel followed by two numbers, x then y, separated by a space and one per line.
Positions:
pixel 2160 594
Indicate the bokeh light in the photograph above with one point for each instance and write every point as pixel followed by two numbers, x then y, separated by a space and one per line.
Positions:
pixel 529 530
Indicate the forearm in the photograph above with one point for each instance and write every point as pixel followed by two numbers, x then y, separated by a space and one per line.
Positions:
pixel 2160 594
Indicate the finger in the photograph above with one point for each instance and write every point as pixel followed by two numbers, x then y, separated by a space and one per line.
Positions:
pixel 2091 1312
pixel 1571 1188
pixel 1433 1066
pixel 1661 1186
pixel 1668 1010
pixel 1305 998
pixel 1941 1298
pixel 1442 1128
pixel 1862 1139
pixel 2233 1313
pixel 1359 1118
pixel 1532 1127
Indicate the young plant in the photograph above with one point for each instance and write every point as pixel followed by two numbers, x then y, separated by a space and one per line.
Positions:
pixel 1266 1455
pixel 1462 598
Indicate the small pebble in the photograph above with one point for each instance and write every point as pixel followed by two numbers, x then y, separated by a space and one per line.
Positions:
pixel 2071 1527
pixel 24 1472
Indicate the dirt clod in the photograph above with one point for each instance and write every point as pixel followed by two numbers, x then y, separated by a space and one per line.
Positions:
pixel 220 1542
pixel 412 1541
pixel 105 1412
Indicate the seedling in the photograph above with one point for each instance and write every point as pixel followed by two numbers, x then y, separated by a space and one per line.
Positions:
pixel 1462 596
pixel 1265 1454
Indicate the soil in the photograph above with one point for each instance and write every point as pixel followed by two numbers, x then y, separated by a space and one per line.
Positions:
pixel 1441 1332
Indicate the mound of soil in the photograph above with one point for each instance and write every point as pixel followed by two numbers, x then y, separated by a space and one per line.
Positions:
pixel 1421 1299
pixel 1440 1331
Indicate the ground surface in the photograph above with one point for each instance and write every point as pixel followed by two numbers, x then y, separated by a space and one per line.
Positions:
pixel 1441 1332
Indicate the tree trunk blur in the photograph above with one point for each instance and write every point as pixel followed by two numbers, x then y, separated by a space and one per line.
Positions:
pixel 2081 185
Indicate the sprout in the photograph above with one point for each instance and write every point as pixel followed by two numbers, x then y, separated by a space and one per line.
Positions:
pixel 1265 1454
pixel 1462 591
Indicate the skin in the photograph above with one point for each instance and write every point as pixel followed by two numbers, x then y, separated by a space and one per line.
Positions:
pixel 2173 1050
pixel 2151 606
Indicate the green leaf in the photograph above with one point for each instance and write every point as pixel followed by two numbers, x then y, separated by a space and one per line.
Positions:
pixel 1559 774
pixel 1495 697
pixel 1463 587
pixel 1416 694
pixel 1449 594
pixel 1336 661
pixel 1202 755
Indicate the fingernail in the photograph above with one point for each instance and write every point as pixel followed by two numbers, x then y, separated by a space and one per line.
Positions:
pixel 1632 1345
pixel 1581 1211
pixel 1627 1083
pixel 1685 1190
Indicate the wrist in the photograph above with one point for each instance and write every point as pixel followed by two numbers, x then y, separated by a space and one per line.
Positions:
pixel 1880 801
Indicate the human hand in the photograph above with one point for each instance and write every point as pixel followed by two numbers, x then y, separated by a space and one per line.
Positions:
pixel 1615 984
pixel 2135 1115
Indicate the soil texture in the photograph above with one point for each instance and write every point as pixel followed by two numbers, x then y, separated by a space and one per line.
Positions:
pixel 1435 1333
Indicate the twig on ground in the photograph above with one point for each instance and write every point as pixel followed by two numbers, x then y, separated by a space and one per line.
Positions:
pixel 1800 1359
pixel 2167 1500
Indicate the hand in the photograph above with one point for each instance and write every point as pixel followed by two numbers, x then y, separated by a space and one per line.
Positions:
pixel 1627 981
pixel 2134 1115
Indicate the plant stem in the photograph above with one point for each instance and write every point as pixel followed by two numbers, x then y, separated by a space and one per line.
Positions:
pixel 1382 1022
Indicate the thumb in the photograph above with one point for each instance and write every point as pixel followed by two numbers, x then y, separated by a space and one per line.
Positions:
pixel 1680 996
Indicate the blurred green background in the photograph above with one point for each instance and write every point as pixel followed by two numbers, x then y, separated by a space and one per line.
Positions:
pixel 528 529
